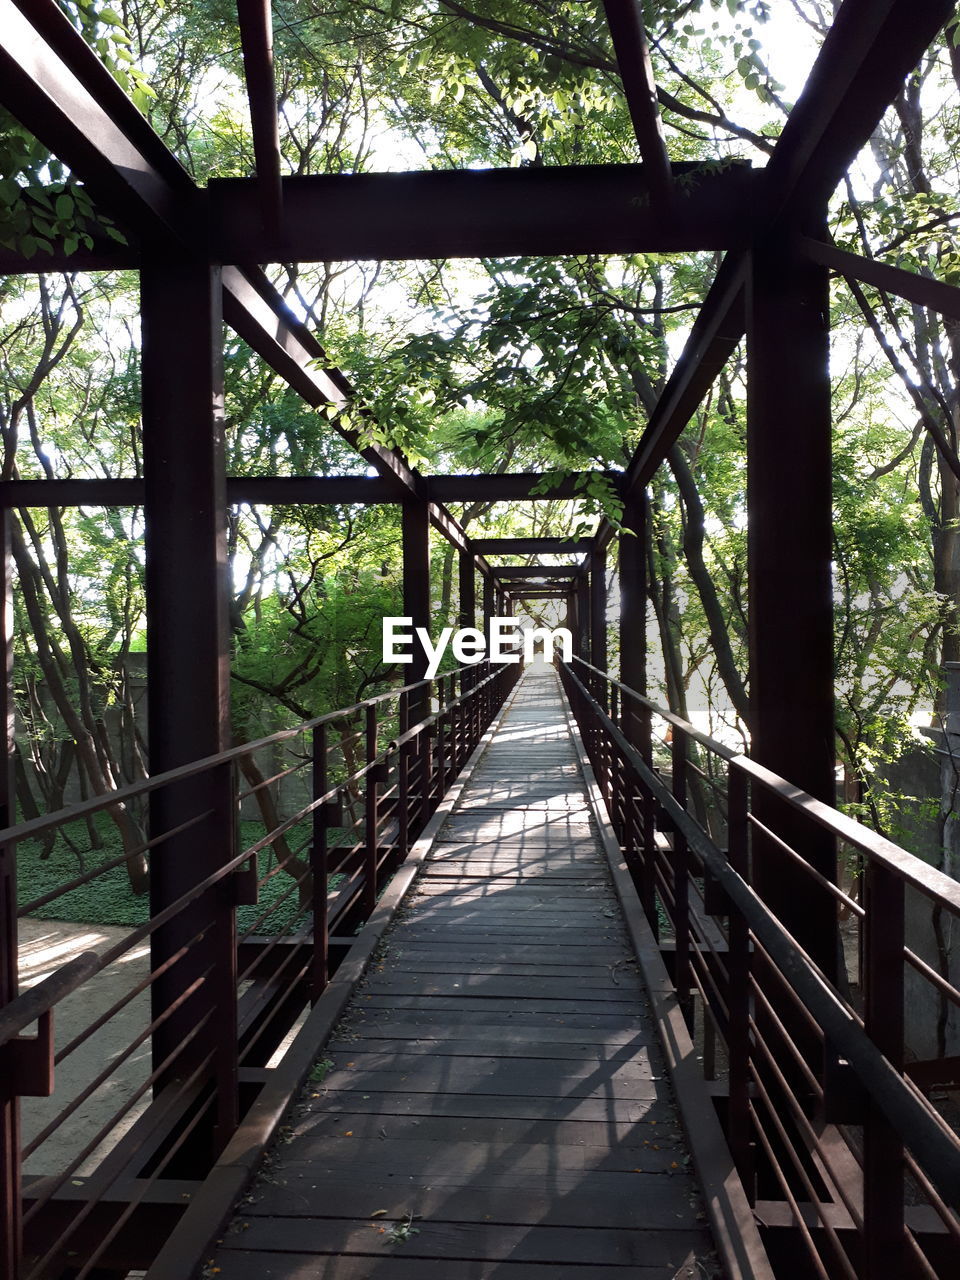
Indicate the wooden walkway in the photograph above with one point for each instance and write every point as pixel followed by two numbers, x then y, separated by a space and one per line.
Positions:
pixel 494 1103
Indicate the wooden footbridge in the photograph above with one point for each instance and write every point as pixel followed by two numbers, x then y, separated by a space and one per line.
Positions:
pixel 547 983
pixel 496 1094
pixel 531 1020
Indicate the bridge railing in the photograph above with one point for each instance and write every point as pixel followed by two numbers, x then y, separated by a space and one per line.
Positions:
pixel 173 1028
pixel 846 1143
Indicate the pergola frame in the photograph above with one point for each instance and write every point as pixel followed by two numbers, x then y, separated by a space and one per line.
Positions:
pixel 194 249
pixel 766 220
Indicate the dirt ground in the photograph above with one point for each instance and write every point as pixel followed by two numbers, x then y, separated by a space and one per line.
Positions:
pixel 44 946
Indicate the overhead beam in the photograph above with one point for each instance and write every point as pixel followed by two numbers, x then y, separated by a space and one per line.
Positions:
pixel 254 308
pixel 718 328
pixel 625 20
pixel 484 213
pixel 533 571
pixel 869 50
pixel 310 490
pixel 516 487
pixel 925 292
pixel 275 490
pixel 474 213
pixel 531 547
pixel 260 316
pixel 70 492
pixel 106 255
pixel 256 42
pixel 536 593
pixel 53 82
pixel 520 596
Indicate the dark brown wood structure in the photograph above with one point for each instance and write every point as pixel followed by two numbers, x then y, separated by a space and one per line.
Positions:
pixel 830 1137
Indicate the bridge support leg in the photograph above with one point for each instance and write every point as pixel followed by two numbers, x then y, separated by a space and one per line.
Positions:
pixel 188 669
pixel 789 505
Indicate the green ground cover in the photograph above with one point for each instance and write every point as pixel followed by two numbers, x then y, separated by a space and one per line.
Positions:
pixel 109 900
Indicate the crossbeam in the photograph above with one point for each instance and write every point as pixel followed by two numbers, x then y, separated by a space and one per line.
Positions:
pixel 544 593
pixel 518 487
pixel 531 547
pixel 716 331
pixel 256 39
pixel 106 492
pixel 534 571
pixel 625 20
pixel 869 50
pixel 549 211
pixel 925 292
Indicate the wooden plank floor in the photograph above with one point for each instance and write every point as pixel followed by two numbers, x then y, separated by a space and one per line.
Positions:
pixel 497 1076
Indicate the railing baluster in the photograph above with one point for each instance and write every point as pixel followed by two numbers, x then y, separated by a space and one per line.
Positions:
pixel 681 872
pixel 738 986
pixel 883 1164
pixel 371 815
pixel 648 827
pixel 319 964
pixel 403 781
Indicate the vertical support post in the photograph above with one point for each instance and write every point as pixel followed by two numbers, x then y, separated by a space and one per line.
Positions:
pixel 581 642
pixel 188 692
pixel 468 604
pixel 790 523
pixel 489 607
pixel 598 618
pixel 468 590
pixel 633 618
pixel 416 594
pixel 633 672
pixel 320 962
pixel 11 1226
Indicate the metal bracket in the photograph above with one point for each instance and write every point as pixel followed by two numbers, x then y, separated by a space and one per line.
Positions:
pixel 246 891
pixel 332 813
pixel 26 1062
pixel 715 899
pixel 844 1097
